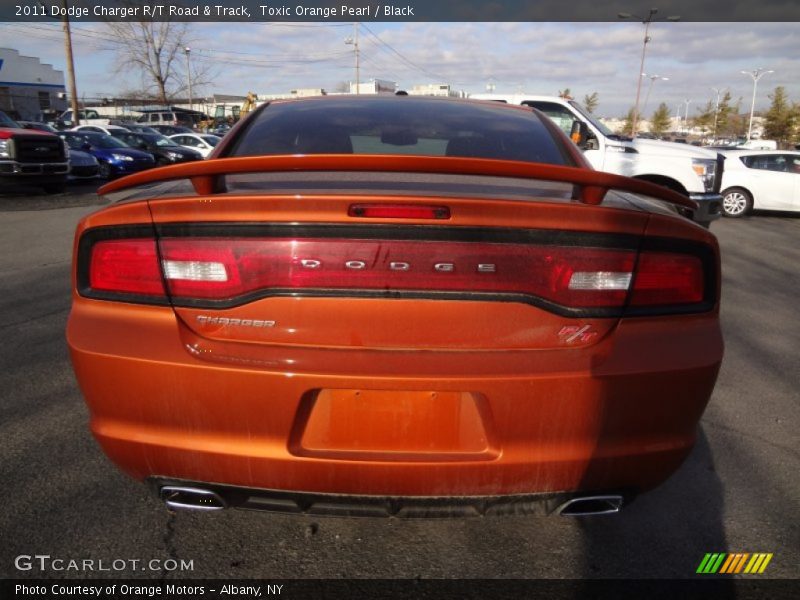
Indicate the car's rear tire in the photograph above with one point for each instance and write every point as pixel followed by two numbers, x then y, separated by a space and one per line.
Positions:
pixel 736 202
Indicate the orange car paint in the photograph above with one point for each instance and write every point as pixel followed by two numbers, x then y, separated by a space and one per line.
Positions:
pixel 507 406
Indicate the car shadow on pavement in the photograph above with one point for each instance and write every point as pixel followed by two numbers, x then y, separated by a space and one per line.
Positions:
pixel 664 533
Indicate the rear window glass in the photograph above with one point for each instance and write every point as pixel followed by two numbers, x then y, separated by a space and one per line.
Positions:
pixel 399 126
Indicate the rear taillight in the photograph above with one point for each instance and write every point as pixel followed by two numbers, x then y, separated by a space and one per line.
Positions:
pixel 227 271
pixel 255 265
pixel 126 267
pixel 664 278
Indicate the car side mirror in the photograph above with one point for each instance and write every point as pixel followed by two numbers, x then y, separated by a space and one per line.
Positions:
pixel 579 133
pixel 86 146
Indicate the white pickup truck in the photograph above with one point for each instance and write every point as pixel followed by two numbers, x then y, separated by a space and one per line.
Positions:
pixel 87 117
pixel 690 170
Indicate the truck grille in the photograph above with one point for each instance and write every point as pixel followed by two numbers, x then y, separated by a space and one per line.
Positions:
pixel 37 149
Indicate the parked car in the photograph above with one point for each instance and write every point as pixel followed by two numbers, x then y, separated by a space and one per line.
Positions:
pixel 310 325
pixel 31 157
pixel 86 117
pixel 165 150
pixel 166 117
pixel 204 143
pixel 171 129
pixel 759 145
pixel 104 129
pixel 114 156
pixel 82 165
pixel 38 126
pixel 694 172
pixel 136 128
pixel 220 130
pixel 760 179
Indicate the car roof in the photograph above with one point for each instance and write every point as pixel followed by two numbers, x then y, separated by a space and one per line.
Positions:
pixel 376 98
pixel 759 152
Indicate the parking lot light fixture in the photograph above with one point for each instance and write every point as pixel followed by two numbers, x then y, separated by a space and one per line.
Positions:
pixel 646 22
pixel 717 91
pixel 686 115
pixel 756 74
pixel 652 78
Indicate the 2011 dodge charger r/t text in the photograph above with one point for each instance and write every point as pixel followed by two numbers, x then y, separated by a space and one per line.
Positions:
pixel 396 306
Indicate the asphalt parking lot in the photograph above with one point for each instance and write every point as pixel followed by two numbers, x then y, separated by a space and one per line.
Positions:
pixel 738 491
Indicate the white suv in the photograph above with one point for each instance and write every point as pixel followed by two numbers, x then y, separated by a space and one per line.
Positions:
pixel 165 118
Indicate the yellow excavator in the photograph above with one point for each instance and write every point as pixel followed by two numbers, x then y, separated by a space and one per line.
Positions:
pixel 248 104
pixel 226 116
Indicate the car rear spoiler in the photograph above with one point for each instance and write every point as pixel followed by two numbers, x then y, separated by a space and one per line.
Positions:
pixel 205 175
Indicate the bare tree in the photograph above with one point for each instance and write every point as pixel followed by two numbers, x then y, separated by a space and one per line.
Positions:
pixel 155 50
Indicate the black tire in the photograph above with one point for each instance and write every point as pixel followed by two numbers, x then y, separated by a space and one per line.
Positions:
pixel 736 202
pixel 104 171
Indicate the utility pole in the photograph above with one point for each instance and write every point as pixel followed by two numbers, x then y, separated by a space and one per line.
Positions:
pixel 353 41
pixel 73 89
pixel 646 22
pixel 187 50
pixel 756 75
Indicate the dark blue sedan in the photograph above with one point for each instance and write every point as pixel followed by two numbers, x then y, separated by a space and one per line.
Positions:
pixel 116 158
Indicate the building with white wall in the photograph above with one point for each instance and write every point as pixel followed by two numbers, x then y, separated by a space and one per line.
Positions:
pixel 30 90
pixel 433 89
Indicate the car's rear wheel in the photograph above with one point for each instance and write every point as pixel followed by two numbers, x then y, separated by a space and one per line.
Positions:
pixel 736 202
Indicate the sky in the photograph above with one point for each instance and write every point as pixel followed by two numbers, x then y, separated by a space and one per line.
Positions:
pixel 538 58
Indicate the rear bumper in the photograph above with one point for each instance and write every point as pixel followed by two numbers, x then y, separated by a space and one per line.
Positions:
pixel 709 207
pixel 340 505
pixel 622 417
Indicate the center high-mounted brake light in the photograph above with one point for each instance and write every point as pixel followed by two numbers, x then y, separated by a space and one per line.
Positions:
pixel 398 211
pixel 226 271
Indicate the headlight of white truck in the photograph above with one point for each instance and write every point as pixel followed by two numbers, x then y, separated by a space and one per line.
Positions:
pixel 705 168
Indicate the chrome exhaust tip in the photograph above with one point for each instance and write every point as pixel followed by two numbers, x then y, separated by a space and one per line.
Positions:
pixel 189 498
pixel 591 505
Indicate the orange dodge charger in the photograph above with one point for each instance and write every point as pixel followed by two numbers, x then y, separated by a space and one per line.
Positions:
pixel 396 306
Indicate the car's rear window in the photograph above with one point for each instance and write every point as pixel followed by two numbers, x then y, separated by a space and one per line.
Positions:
pixel 399 126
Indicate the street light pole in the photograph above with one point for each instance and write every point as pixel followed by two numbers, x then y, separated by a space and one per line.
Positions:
pixel 652 78
pixel 646 22
pixel 717 91
pixel 187 50
pixel 686 116
pixel 756 75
